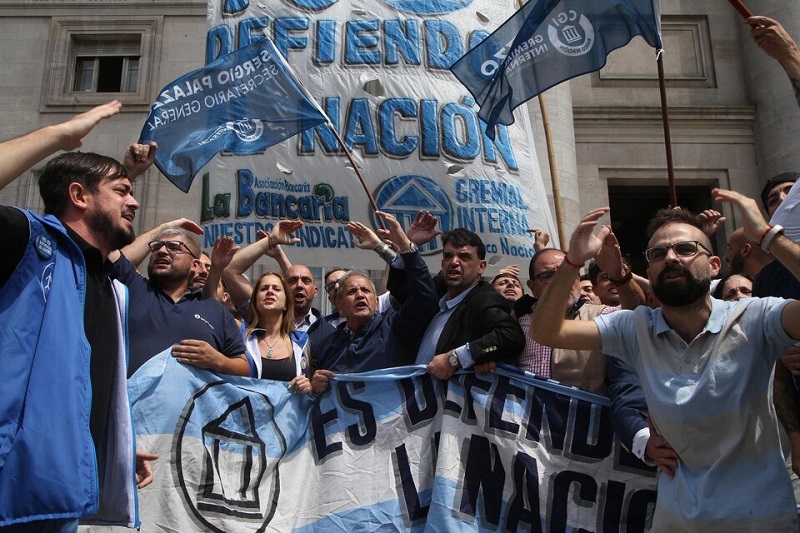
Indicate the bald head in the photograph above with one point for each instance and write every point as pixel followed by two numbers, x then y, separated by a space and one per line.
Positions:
pixel 303 289
pixel 745 256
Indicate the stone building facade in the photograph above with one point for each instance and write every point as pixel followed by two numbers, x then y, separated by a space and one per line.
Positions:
pixel 734 119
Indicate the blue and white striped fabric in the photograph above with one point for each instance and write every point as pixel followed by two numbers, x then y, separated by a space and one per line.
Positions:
pixel 390 450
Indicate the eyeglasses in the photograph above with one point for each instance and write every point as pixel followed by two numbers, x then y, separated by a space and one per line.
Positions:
pixel 175 247
pixel 330 286
pixel 545 277
pixel 681 249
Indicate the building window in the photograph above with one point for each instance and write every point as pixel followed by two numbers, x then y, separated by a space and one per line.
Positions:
pixel 93 61
pixel 104 66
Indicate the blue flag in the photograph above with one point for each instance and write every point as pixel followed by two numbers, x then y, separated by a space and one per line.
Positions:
pixel 548 42
pixel 243 102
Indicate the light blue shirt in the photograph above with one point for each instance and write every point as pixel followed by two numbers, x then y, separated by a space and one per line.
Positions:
pixel 711 399
pixel 427 348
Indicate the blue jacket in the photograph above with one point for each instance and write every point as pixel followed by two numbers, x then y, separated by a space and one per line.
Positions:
pixel 628 408
pixel 388 340
pixel 48 464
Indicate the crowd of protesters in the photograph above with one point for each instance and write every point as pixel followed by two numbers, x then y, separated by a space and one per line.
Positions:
pixel 688 368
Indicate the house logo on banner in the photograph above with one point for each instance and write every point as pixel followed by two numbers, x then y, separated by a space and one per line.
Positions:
pixel 569 38
pixel 232 470
pixel 403 196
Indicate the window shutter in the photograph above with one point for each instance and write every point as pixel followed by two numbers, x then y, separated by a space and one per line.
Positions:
pixel 108 47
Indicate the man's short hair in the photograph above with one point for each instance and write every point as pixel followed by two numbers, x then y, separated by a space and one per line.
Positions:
pixel 352 274
pixel 189 238
pixel 461 237
pixel 504 275
pixel 594 270
pixel 332 271
pixel 718 294
pixel 668 215
pixel 786 177
pixel 88 169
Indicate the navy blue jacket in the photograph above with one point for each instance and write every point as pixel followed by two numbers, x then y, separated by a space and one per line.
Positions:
pixel 390 339
pixel 628 408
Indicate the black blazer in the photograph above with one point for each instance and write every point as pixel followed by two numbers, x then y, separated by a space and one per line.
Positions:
pixel 483 320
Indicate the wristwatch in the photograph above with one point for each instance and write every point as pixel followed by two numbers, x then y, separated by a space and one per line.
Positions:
pixel 452 358
pixel 411 249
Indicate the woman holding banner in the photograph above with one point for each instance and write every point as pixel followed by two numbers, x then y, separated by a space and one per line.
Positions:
pixel 275 351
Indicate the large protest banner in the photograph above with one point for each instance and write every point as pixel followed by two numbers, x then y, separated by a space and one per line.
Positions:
pixel 380 71
pixel 391 450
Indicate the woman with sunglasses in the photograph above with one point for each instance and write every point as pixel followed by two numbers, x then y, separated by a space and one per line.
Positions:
pixel 275 350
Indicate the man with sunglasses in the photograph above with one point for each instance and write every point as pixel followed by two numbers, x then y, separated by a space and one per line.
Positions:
pixel 705 367
pixel 166 311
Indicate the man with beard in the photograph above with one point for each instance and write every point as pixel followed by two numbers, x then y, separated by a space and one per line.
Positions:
pixel 165 311
pixel 705 367
pixel 473 323
pixel 744 256
pixel 66 440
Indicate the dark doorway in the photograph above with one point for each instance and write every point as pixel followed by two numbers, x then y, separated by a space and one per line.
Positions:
pixel 633 206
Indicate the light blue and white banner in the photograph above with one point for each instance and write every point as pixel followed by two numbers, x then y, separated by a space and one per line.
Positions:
pixel 392 450
pixel 379 70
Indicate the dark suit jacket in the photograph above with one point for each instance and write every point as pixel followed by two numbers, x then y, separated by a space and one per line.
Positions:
pixel 483 320
pixel 628 408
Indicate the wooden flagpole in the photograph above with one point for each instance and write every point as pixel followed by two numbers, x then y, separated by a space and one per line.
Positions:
pixel 339 139
pixel 673 195
pixel 745 12
pixel 551 161
pixel 355 168
pixel 741 8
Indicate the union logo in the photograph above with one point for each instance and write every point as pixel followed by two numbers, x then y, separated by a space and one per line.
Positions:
pixel 403 196
pixel 575 38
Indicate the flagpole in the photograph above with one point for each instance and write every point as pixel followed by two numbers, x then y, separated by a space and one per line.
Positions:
pixel 742 9
pixel 662 86
pixel 551 163
pixel 356 169
pixel 551 160
pixel 336 134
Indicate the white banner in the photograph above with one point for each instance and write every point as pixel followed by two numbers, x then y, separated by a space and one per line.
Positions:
pixel 379 70
pixel 391 450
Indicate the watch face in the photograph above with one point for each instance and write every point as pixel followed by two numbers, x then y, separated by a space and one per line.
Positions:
pixel 453 359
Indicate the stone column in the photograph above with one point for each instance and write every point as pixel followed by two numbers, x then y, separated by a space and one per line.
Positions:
pixel 777 117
